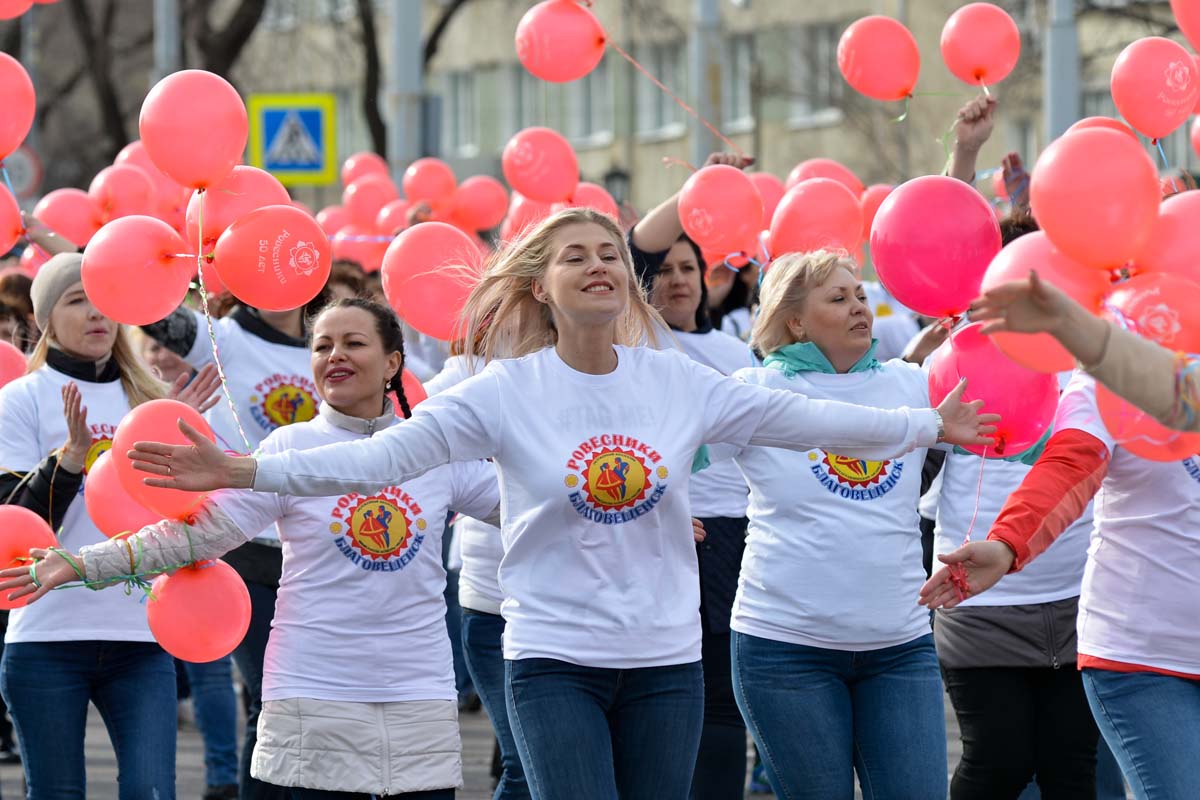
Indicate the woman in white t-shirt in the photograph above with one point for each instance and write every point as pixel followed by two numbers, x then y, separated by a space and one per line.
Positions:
pixel 72 649
pixel 593 435
pixel 833 661
pixel 359 651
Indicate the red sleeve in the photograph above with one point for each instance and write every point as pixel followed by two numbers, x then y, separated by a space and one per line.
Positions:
pixel 1053 495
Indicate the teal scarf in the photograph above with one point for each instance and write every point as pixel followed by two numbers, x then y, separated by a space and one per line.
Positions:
pixel 807 357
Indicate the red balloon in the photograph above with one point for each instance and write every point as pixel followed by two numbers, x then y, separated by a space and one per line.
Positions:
pixel 540 164
pixel 873 197
pixel 428 272
pixel 1187 16
pixel 481 202
pixel 1100 218
pixel 879 58
pixel 931 243
pixel 1024 399
pixel 11 9
pixel 199 613
pixel 18 101
pixel 194 126
pixel 771 190
pixel 1102 122
pixel 719 208
pixel 392 218
pixel 237 194
pixel 21 530
pixel 1141 434
pixel 69 213
pixel 1087 286
pixel 1175 238
pixel 981 44
pixel 825 168
pixel 560 41
pixel 12 364
pixel 361 165
pixel 111 508
pixel 302 206
pixel 429 180
pixel 593 196
pixel 366 197
pixel 157 421
pixel 414 391
pixel 275 258
pixel 361 244
pixel 11 226
pixel 32 259
pixel 132 272
pixel 122 191
pixel 170 198
pixel 1155 85
pixel 332 219
pixel 523 214
pixel 816 214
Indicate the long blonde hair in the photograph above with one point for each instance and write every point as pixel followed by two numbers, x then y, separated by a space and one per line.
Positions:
pixel 502 319
pixel 139 385
pixel 785 287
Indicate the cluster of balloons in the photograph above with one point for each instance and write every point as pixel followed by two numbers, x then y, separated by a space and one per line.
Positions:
pixel 18 101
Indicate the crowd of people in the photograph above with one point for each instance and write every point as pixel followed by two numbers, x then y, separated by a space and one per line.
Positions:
pixel 691 504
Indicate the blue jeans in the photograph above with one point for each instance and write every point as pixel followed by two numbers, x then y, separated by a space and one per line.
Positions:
pixel 249 657
pixel 1152 724
pixel 484 655
pixel 820 715
pixel 48 685
pixel 216 717
pixel 587 733
pixel 462 675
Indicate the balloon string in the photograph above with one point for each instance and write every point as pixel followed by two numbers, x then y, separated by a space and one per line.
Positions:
pixel 7 181
pixel 671 161
pixel 1166 165
pixel 907 107
pixel 212 334
pixel 135 578
pixel 986 91
pixel 691 111
pixel 958 573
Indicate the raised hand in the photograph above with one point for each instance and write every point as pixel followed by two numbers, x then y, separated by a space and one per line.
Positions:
pixel 962 422
pixel 1031 306
pixel 201 393
pixel 729 160
pixel 197 467
pixel 79 436
pixel 975 123
pixel 52 570
pixel 969 570
pixel 1016 182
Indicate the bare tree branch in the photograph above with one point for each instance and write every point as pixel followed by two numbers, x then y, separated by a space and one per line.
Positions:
pixel 371 77
pixel 439 29
pixel 98 59
pixel 219 49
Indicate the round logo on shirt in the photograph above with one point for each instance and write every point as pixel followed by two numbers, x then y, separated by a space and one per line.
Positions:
pixel 99 447
pixel 283 400
pixel 855 478
pixel 383 532
pixel 613 479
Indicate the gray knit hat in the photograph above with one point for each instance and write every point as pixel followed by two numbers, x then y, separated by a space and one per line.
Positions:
pixel 54 278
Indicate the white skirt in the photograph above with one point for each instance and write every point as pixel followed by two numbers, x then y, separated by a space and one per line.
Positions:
pixel 375 748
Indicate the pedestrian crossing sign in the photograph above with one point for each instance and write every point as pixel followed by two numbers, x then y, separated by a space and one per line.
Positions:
pixel 292 136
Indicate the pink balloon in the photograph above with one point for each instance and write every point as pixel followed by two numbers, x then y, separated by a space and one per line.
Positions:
pixel 523 214
pixel 1155 85
pixel 560 41
pixel 12 363
pixel 111 508
pixel 825 168
pixel 11 226
pixel 199 613
pixel 540 164
pixel 121 191
pixel 332 219
pixel 771 190
pixel 69 213
pixel 131 271
pixel 1139 433
pixel 429 180
pixel 361 165
pixel 873 197
pixel 481 202
pixel 156 421
pixel 275 258
pixel 18 101
pixel 414 390
pixel 981 44
pixel 719 208
pixel 243 190
pixel 361 244
pixel 194 127
pixel 1102 122
pixel 20 531
pixel 816 214
pixel 428 273
pixel 1187 15
pixel 931 243
pixel 392 218
pixel 1087 286
pixel 170 198
pixel 1174 240
pixel 879 58
pixel 1024 399
pixel 366 197
pixel 32 259
pixel 593 196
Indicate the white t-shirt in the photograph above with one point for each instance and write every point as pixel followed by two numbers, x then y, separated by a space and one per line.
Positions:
pixel 833 551
pixel 1140 601
pixel 599 567
pixel 1053 575
pixel 32 423
pixel 719 490
pixel 362 579
pixel 738 323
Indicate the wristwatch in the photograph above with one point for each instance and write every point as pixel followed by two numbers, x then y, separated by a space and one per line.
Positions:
pixel 941 425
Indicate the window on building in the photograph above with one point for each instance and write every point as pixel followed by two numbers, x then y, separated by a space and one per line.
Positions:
pixel 529 99
pixel 591 106
pixel 817 86
pixel 658 113
pixel 462 114
pixel 737 105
